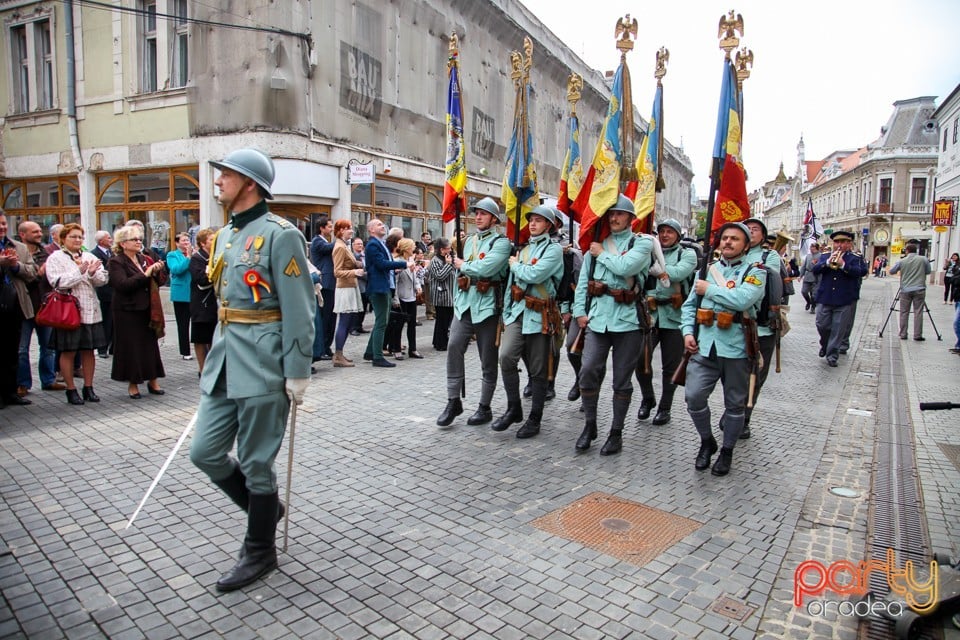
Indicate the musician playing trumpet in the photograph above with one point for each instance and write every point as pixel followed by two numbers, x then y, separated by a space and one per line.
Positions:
pixel 839 290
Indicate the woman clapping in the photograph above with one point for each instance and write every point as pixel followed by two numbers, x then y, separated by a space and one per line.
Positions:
pixel 74 269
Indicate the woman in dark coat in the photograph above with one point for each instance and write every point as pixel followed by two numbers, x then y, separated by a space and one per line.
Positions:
pixel 135 329
pixel 203 300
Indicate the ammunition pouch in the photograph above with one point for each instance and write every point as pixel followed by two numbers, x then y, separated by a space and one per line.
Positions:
pixel 517 294
pixel 535 304
pixel 463 283
pixel 705 317
pixel 483 285
pixel 676 300
pixel 651 304
pixel 623 296
pixel 724 319
pixel 596 288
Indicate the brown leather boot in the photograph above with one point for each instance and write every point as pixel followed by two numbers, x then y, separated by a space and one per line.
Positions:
pixel 340 361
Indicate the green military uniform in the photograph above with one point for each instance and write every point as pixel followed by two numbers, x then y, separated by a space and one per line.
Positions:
pixel 663 302
pixel 767 333
pixel 722 352
pixel 476 312
pixel 622 266
pixel 259 271
pixel 529 328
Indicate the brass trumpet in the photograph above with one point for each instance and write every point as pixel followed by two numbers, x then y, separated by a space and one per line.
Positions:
pixel 781 242
pixel 836 258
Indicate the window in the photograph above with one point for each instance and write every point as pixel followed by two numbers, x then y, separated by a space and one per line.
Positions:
pixel 945 132
pixel 180 68
pixel 164 49
pixel 31 57
pixel 918 191
pixel 886 190
pixel 956 125
pixel 148 43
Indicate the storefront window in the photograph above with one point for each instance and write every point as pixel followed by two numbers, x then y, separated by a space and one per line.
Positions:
pixel 361 194
pixel 399 195
pixel 46 201
pixel 110 221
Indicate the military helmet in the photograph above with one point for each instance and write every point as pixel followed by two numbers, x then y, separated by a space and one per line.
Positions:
pixel 489 205
pixel 673 224
pixel 623 204
pixel 252 163
pixel 759 222
pixel 740 226
pixel 544 211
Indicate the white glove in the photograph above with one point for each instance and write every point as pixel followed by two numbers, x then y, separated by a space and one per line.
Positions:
pixel 295 388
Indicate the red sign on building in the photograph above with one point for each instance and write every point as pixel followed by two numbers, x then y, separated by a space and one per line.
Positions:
pixel 943 211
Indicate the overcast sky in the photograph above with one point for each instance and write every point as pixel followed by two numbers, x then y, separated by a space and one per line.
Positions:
pixel 829 70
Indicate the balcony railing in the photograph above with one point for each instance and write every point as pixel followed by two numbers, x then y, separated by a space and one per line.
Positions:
pixel 918 208
pixel 881 207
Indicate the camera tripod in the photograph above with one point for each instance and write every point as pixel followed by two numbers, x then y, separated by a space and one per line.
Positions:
pixel 893 307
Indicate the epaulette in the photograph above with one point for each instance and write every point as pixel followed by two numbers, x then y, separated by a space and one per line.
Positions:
pixel 283 222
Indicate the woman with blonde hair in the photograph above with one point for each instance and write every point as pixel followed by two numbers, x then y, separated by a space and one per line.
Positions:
pixel 347 301
pixel 137 313
pixel 405 301
pixel 73 268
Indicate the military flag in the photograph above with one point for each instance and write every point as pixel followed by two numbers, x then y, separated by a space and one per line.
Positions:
pixel 521 192
pixel 812 230
pixel 732 204
pixel 454 200
pixel 650 180
pixel 571 175
pixel 602 184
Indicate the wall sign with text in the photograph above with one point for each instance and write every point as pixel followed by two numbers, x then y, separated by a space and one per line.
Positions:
pixel 360 82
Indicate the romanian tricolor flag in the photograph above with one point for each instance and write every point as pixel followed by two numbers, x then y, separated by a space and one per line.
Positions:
pixel 571 176
pixel 648 170
pixel 456 174
pixel 520 190
pixel 602 184
pixel 732 204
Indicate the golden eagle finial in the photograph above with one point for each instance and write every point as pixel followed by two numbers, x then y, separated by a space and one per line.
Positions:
pixel 663 57
pixel 625 28
pixel 744 61
pixel 730 24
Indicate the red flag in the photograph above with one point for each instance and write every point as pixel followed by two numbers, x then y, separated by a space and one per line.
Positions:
pixel 732 204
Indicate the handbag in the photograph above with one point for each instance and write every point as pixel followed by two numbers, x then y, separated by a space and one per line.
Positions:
pixel 61 310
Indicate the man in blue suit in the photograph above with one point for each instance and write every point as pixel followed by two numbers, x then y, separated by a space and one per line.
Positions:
pixel 321 255
pixel 380 281
pixel 840 274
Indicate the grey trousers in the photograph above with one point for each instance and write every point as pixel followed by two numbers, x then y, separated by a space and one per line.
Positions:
pixel 832 324
pixel 460 331
pixel 702 376
pixel 535 350
pixel 917 299
pixel 596 348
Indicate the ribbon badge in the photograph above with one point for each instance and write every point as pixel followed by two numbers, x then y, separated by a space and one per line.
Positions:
pixel 253 280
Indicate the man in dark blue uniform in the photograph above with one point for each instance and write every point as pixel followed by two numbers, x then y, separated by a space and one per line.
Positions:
pixel 840 273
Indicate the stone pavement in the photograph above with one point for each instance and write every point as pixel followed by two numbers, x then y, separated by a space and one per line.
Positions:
pixel 400 530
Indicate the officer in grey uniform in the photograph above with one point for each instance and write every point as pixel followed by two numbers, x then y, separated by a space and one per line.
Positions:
pixel 840 274
pixel 733 290
pixel 810 280
pixel 259 361
pixel 476 311
pixel 605 307
pixel 531 319
pixel 663 302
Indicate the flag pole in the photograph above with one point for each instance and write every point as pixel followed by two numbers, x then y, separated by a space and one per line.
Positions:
pixel 453 68
pixel 574 89
pixel 628 171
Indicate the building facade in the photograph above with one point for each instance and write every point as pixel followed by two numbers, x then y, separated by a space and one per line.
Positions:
pixel 113 113
pixel 947 241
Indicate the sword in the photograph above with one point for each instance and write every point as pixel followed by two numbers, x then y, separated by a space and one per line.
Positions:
pixel 153 485
pixel 293 432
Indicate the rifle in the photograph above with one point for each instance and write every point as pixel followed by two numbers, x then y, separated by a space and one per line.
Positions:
pixel 752 343
pixel 577 346
pixel 777 328
pixel 646 328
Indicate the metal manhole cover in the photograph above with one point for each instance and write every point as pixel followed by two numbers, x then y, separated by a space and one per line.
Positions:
pixel 952 451
pixel 727 606
pixel 620 528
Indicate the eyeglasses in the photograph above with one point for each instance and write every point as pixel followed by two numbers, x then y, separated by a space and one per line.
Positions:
pixel 134 240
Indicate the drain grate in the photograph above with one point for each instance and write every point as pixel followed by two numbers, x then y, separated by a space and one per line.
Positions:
pixel 731 608
pixel 617 527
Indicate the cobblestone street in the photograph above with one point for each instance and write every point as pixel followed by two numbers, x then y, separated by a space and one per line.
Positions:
pixel 401 530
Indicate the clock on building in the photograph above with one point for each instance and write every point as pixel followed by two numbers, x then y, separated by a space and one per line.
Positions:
pixel 881 236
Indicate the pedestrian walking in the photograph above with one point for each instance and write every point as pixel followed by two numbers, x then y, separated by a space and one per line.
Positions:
pixel 605 310
pixel 719 332
pixel 951 275
pixel 810 280
pixel 531 319
pixel 663 302
pixel 476 309
pixel 840 273
pixel 258 267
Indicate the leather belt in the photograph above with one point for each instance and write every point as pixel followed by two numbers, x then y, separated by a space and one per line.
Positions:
pixel 248 316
